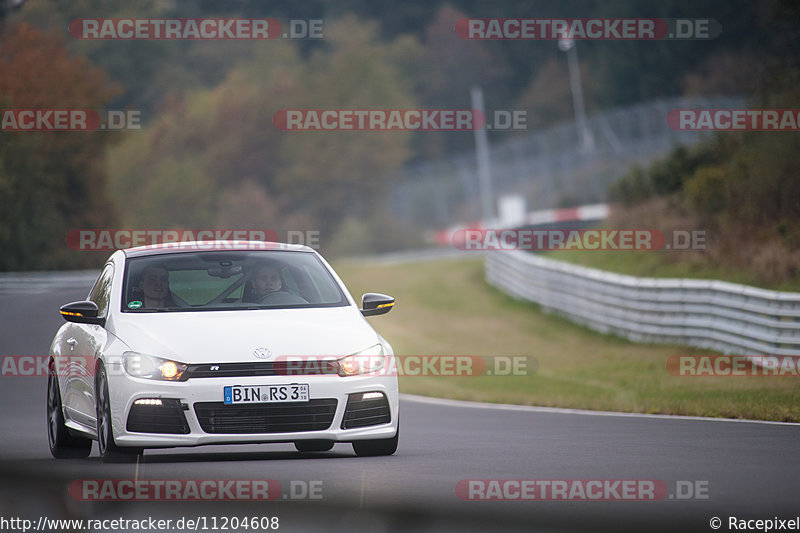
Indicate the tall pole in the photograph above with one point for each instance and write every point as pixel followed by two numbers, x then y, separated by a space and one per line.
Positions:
pixel 565 44
pixel 484 164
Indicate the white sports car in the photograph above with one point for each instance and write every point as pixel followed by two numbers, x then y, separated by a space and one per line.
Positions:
pixel 198 343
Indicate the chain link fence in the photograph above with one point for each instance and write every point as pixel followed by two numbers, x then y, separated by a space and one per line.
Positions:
pixel 547 168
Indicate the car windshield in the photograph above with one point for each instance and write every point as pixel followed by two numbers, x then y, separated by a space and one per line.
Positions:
pixel 225 280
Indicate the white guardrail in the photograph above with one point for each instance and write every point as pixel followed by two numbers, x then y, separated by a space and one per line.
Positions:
pixel 718 315
pixel 43 282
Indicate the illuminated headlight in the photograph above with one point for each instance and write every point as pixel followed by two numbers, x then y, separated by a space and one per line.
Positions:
pixel 368 361
pixel 149 401
pixel 140 365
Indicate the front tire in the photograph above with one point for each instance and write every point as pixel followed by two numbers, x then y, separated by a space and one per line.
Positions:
pixel 377 447
pixel 63 445
pixel 109 451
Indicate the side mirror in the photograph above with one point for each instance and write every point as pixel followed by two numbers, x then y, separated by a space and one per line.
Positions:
pixel 84 312
pixel 373 303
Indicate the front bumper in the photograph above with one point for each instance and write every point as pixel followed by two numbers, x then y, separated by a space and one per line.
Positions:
pixel 125 390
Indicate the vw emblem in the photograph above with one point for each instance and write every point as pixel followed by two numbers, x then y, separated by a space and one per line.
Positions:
pixel 262 353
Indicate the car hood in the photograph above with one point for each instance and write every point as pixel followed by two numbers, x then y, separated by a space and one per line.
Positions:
pixel 232 336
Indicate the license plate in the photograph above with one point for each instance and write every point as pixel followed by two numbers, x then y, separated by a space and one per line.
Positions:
pixel 293 392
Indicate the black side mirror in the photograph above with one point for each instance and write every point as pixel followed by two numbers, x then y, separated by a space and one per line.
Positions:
pixel 373 303
pixel 84 312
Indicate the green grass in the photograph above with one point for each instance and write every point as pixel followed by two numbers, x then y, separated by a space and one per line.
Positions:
pixel 446 308
pixel 657 264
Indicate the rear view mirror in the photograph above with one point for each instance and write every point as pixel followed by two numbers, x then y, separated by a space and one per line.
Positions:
pixel 84 312
pixel 374 303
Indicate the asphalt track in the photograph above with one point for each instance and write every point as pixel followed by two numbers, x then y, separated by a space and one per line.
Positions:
pixel 750 469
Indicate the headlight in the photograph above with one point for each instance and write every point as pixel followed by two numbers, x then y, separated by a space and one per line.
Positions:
pixel 368 361
pixel 140 365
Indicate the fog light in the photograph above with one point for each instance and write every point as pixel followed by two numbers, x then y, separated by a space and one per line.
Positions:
pixel 148 401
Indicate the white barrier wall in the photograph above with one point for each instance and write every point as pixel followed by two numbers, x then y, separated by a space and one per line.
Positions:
pixel 710 314
pixel 41 282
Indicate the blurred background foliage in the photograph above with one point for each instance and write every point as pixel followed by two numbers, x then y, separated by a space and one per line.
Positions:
pixel 208 154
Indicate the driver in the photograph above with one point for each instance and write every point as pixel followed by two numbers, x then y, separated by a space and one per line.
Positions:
pixel 266 280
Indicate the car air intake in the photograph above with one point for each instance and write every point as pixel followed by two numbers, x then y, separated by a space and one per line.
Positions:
pixel 265 368
pixel 313 415
pixel 157 415
pixel 366 409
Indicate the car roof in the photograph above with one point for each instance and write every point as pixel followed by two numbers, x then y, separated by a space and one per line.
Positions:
pixel 213 246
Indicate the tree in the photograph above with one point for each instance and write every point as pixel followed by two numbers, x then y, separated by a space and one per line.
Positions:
pixel 209 146
pixel 50 182
pixel 333 174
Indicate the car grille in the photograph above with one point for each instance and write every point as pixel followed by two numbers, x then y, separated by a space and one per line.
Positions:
pixel 277 368
pixel 362 412
pixel 313 415
pixel 165 418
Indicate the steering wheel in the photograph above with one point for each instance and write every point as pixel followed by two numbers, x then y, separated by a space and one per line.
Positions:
pixel 281 298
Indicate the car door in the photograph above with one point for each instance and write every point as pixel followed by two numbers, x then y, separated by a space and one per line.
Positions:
pixel 83 343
